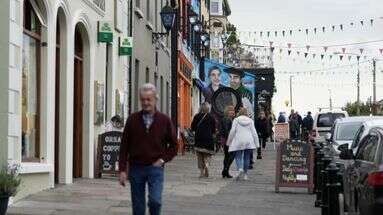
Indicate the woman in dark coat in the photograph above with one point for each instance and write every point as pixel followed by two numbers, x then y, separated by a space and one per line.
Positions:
pixel 203 125
pixel 224 130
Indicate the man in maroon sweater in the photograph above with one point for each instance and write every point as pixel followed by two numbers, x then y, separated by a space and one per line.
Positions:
pixel 148 142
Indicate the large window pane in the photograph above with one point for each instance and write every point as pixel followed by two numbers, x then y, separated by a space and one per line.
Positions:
pixel 30 117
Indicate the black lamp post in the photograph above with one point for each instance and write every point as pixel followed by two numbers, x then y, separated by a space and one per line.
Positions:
pixel 169 17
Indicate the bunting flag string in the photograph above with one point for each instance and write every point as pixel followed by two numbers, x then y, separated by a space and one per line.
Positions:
pixel 313 30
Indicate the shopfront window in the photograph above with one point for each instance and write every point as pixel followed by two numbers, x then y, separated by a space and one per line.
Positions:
pixel 30 85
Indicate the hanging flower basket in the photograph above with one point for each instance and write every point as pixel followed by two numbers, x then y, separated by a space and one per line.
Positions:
pixel 9 182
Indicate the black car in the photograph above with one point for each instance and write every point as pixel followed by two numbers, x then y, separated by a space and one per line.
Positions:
pixel 363 179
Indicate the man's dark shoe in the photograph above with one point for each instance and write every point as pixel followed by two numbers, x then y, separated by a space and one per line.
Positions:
pixel 259 157
pixel 251 167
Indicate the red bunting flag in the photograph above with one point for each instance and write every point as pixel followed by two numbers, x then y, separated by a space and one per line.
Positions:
pixel 343 50
pixel 381 51
pixel 325 48
pixel 307 47
pixel 289 45
pixel 361 51
pixel 306 55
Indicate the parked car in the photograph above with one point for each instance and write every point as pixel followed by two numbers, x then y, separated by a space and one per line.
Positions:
pixel 364 130
pixel 344 131
pixel 323 122
pixel 363 178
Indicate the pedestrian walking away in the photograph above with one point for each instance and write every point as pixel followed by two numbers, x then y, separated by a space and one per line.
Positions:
pixel 307 126
pixel 148 142
pixel 242 140
pixel 294 126
pixel 281 118
pixel 263 129
pixel 204 126
pixel 224 130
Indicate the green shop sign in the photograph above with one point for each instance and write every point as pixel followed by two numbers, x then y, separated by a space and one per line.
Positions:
pixel 105 32
pixel 126 46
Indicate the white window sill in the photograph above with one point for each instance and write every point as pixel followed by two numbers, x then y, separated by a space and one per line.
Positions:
pixel 139 13
pixel 28 168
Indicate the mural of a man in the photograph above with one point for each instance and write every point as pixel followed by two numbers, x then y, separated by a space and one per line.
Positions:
pixel 236 83
pixel 214 75
pixel 236 77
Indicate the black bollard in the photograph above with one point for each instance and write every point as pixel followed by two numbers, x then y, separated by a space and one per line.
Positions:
pixel 340 175
pixel 325 203
pixel 317 148
pixel 333 187
pixel 318 189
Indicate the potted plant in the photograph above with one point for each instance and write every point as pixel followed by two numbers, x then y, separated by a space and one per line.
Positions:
pixel 9 182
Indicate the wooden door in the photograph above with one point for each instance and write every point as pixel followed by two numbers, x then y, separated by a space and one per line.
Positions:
pixel 78 107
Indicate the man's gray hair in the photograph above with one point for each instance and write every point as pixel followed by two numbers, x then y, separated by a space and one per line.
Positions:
pixel 205 107
pixel 148 87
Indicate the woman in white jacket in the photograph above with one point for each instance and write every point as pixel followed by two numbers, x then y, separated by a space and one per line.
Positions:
pixel 242 140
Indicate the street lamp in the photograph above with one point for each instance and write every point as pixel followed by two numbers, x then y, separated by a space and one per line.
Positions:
pixel 168 17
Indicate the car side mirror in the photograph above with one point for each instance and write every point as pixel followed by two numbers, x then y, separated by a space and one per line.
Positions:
pixel 346 154
pixel 343 147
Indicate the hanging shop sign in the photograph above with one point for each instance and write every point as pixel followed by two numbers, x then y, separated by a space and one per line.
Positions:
pixel 126 46
pixel 105 32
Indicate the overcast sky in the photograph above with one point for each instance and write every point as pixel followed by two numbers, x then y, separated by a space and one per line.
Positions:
pixel 313 91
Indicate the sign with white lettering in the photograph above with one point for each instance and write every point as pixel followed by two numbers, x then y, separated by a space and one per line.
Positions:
pixel 108 152
pixel 294 165
pixel 126 46
pixel 105 32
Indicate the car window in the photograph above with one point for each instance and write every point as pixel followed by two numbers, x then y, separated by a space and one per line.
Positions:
pixel 328 119
pixel 362 145
pixel 369 148
pixel 346 131
pixel 358 136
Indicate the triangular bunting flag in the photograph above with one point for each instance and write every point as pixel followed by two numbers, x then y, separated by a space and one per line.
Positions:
pixel 315 30
pixel 307 31
pixel 381 51
pixel 341 27
pixel 330 57
pixel 271 43
pixel 299 30
pixel 272 49
pixel 280 50
pixel 268 34
pixel 289 45
pixel 298 52
pixel 260 33
pixel 341 57
pixel 325 48
pixel 255 33
pixel 307 47
pixel 291 32
pixel 283 33
pixel 324 29
pixel 351 23
pixel 372 22
pixel 361 51
pixel 349 57
pixel 306 55
pixel 289 52
pixel 362 22
pixel 343 50
pixel 314 55
pixel 322 56
pixel 276 33
pixel 333 28
pixel 358 58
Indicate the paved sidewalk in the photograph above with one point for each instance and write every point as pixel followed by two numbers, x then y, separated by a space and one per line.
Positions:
pixel 184 194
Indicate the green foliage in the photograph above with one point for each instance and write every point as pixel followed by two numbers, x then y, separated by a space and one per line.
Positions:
pixel 365 109
pixel 233 38
pixel 9 181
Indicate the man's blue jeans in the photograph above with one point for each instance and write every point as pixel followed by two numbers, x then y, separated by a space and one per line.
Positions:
pixel 242 159
pixel 139 176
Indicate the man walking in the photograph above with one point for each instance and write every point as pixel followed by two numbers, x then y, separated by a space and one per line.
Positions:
pixel 262 126
pixel 148 142
pixel 307 126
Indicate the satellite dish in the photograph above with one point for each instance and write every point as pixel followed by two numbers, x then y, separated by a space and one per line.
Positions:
pixel 224 97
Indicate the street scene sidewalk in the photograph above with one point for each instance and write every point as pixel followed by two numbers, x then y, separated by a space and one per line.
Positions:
pixel 184 193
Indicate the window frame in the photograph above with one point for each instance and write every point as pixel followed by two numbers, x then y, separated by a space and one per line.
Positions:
pixel 38 38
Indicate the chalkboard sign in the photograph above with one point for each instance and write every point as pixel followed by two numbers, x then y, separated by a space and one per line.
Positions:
pixel 294 165
pixel 108 152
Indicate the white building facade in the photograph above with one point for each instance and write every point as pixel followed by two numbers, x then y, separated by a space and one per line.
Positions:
pixel 58 86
